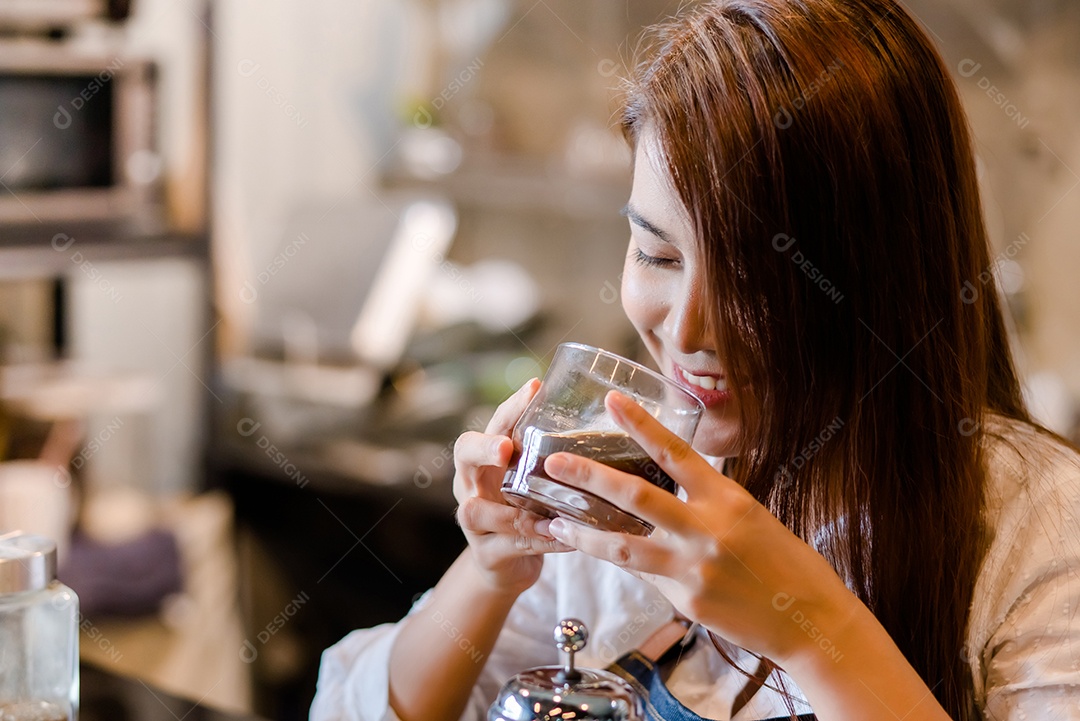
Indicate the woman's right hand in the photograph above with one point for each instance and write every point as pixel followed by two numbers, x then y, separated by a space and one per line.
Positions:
pixel 506 543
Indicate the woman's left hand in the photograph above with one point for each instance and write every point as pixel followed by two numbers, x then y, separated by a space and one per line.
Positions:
pixel 720 557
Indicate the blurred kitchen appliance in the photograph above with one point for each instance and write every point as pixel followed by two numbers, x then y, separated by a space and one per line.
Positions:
pixel 49 15
pixel 77 139
pixel 348 281
pixel 339 301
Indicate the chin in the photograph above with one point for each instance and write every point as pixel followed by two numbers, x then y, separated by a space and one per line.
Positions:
pixel 717 437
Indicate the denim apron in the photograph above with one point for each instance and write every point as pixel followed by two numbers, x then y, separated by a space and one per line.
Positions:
pixel 660 704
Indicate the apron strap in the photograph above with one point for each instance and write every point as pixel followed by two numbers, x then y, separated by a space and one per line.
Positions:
pixel 680 632
pixel 665 638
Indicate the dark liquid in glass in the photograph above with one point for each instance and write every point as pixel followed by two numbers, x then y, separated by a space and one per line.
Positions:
pixel 527 484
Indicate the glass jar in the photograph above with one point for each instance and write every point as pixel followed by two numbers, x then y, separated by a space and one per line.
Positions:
pixel 39 641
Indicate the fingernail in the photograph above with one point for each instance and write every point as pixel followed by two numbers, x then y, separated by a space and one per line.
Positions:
pixel 497 446
pixel 542 527
pixel 556 464
pixel 617 401
pixel 558 528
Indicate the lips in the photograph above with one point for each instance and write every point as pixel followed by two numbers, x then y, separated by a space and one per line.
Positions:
pixel 710 388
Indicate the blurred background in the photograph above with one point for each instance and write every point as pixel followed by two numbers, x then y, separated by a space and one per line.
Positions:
pixel 261 262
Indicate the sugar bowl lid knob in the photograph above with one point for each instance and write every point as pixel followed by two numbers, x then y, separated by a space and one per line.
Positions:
pixel 571 635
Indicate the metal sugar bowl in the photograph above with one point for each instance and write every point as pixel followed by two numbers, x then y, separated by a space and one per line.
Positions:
pixel 565 693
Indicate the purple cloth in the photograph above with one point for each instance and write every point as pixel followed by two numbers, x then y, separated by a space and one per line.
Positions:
pixel 126 579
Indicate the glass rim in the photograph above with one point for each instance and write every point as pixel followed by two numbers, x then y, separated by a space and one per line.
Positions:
pixel 698 404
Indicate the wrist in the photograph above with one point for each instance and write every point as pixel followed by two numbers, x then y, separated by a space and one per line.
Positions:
pixel 852 668
pixel 825 633
pixel 494 585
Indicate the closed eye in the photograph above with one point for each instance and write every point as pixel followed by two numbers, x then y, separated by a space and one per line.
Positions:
pixel 653 261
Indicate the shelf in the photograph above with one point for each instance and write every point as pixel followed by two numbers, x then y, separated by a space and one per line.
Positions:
pixel 53 249
pixel 520 186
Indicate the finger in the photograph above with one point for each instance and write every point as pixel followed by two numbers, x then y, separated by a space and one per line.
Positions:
pixel 500 546
pixel 506 415
pixel 626 491
pixel 502 531
pixel 634 553
pixel 480 462
pixel 477 450
pixel 672 453
pixel 484 516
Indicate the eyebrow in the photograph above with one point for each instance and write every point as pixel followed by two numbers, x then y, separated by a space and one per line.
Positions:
pixel 636 218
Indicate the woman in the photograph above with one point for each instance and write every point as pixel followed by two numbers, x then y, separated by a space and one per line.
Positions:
pixel 891 534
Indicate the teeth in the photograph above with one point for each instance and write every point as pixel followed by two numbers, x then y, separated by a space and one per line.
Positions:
pixel 709 383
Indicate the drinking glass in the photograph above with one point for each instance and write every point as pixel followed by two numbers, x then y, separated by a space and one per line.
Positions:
pixel 568 414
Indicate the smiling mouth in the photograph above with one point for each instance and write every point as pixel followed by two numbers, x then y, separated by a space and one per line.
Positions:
pixel 705 382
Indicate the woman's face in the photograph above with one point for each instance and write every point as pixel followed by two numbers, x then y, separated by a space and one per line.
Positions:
pixel 664 291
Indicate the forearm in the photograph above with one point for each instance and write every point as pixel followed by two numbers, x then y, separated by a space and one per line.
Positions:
pixel 441 649
pixel 851 670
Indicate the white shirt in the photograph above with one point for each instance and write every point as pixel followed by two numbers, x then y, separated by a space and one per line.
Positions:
pixel 1023 634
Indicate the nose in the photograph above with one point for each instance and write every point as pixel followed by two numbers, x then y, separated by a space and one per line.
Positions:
pixel 689 322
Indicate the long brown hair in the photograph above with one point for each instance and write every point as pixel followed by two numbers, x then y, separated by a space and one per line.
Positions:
pixel 824 157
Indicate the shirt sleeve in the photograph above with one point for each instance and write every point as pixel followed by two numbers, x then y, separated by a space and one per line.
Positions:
pixel 354 676
pixel 1031 655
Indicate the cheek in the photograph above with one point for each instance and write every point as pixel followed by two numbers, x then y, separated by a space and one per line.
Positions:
pixel 645 302
pixel 641 300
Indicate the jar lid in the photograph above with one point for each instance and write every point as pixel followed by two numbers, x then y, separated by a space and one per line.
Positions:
pixel 27 562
